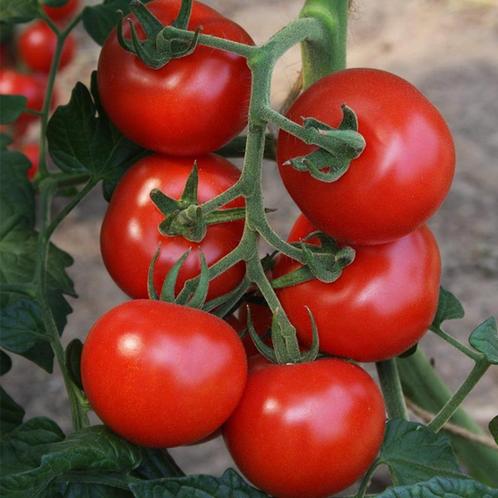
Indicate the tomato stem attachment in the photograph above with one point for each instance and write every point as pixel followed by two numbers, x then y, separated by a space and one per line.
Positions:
pixel 392 389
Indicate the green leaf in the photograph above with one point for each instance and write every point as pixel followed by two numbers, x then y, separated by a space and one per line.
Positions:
pixel 157 463
pixel 414 453
pixel 23 447
pixel 449 308
pixel 484 338
pixel 229 485
pixel 17 196
pixel 84 490
pixel 82 139
pixel 91 450
pixel 17 11
pixel 440 487
pixel 5 362
pixel 73 361
pixel 11 107
pixel 493 428
pixel 11 414
pixel 101 19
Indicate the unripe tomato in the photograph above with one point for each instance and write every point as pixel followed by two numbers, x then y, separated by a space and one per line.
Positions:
pixel 36 47
pixel 382 304
pixel 162 375
pixel 400 179
pixel 308 429
pixel 191 106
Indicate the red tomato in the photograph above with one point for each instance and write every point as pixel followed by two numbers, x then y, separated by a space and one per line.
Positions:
pixel 401 178
pixel 62 13
pixel 162 375
pixel 32 152
pixel 36 47
pixel 306 430
pixel 32 87
pixel 382 304
pixel 194 104
pixel 130 236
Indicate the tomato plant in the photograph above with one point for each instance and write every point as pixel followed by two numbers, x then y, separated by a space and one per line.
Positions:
pixel 32 152
pixel 382 305
pixel 190 107
pixel 402 176
pixel 183 372
pixel 36 47
pixel 303 419
pixel 187 230
pixel 63 12
pixel 130 236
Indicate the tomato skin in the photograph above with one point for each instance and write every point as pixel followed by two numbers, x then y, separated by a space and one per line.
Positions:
pixel 401 178
pixel 62 13
pixel 160 374
pixel 382 304
pixel 32 152
pixel 130 237
pixel 193 105
pixel 36 47
pixel 306 430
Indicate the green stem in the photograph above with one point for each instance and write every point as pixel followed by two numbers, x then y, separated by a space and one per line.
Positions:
pixel 366 480
pixel 327 53
pixel 456 400
pixel 61 38
pixel 425 387
pixel 474 355
pixel 391 388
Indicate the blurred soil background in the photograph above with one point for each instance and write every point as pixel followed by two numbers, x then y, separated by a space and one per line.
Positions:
pixel 449 50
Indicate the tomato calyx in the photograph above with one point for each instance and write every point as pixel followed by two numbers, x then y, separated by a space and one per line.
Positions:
pixel 337 147
pixel 324 261
pixel 184 217
pixel 159 46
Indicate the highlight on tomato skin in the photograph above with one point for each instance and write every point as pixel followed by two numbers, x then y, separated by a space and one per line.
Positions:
pixel 402 176
pixel 162 375
pixel 383 303
pixel 307 429
pixel 130 238
pixel 160 109
pixel 36 47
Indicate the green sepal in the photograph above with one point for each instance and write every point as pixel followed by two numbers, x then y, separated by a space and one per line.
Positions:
pixel 169 285
pixel 337 147
pixel 151 290
pixel 225 304
pixel 183 17
pixel 159 47
pixel 484 339
pixel 312 353
pixel 265 350
pixel 199 296
pixel 55 3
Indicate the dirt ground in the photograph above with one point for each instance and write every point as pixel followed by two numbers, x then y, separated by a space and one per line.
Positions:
pixel 447 48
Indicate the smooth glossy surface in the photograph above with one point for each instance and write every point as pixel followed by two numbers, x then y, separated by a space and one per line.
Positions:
pixel 306 430
pixel 191 106
pixel 401 178
pixel 36 47
pixel 382 304
pixel 162 375
pixel 130 236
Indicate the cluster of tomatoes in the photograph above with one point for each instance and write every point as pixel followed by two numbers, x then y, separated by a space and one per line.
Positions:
pixel 24 65
pixel 162 375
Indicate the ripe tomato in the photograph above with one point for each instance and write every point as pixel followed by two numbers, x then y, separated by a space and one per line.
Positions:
pixel 191 106
pixel 13 82
pixel 401 178
pixel 32 152
pixel 130 236
pixel 62 13
pixel 306 430
pixel 36 47
pixel 162 375
pixel 382 304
